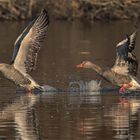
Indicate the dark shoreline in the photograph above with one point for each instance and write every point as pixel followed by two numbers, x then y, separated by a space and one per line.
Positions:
pixel 73 9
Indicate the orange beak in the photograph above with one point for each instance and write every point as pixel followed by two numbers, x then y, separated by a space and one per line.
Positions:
pixel 79 66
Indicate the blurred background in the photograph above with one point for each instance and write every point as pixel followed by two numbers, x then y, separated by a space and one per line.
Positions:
pixel 71 9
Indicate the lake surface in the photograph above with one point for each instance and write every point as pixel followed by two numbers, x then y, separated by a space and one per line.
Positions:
pixel 68 116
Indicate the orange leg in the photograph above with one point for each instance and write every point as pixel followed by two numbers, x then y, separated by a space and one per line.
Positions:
pixel 124 87
pixel 123 101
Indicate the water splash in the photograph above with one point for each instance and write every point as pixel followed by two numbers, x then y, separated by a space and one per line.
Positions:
pixel 85 86
pixel 75 86
pixel 47 88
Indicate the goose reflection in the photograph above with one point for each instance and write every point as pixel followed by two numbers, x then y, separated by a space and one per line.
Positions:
pixel 24 116
pixel 120 121
pixel 124 118
pixel 71 115
pixel 88 118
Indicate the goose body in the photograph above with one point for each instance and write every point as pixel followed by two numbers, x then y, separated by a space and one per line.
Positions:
pixel 25 53
pixel 116 78
pixel 13 74
pixel 124 71
pixel 23 80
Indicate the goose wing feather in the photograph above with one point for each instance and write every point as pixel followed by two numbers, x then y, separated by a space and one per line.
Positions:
pixel 29 43
pixel 126 62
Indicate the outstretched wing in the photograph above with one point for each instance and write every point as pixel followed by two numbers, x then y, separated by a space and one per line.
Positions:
pixel 126 62
pixel 29 42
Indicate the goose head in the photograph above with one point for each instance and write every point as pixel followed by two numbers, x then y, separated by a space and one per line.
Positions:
pixel 85 64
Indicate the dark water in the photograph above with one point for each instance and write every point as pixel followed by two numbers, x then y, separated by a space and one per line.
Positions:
pixel 68 116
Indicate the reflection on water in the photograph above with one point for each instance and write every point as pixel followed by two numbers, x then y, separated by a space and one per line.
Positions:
pixel 124 118
pixel 21 117
pixel 68 116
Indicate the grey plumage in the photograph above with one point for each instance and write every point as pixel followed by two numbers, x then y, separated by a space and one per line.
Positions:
pixel 25 52
pixel 115 78
pixel 14 75
pixel 126 62
pixel 125 68
pixel 30 43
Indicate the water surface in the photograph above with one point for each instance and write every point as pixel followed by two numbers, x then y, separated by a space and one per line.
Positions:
pixel 68 116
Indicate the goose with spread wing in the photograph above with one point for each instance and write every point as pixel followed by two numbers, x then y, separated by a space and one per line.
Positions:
pixel 25 53
pixel 124 71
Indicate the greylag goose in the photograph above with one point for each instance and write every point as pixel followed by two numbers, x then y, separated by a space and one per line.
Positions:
pixel 25 53
pixel 124 71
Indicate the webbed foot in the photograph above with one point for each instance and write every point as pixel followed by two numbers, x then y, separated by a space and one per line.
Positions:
pixel 124 87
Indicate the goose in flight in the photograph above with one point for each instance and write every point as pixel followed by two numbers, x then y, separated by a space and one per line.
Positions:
pixel 25 53
pixel 124 71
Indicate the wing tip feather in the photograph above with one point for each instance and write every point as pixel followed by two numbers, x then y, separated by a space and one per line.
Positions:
pixel 44 16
